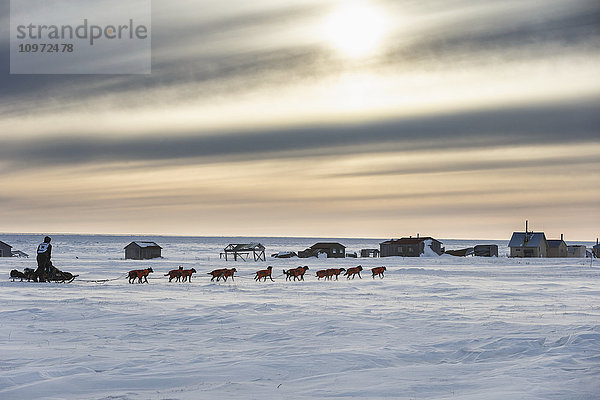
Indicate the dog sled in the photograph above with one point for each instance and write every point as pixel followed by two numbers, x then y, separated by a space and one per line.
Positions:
pixel 31 275
pixel 61 276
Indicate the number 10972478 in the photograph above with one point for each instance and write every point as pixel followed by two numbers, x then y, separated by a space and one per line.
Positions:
pixel 46 48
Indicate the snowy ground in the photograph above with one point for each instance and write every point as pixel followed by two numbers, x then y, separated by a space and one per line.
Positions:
pixel 434 328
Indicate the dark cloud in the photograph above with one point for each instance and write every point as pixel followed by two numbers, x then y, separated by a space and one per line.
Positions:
pixel 574 122
pixel 536 33
pixel 173 63
pixel 542 31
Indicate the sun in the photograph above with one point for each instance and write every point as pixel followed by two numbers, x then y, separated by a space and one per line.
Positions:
pixel 355 29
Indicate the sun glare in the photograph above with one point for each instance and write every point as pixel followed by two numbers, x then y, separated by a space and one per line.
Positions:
pixel 355 29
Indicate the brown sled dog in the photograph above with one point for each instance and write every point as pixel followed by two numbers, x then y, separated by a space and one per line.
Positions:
pixel 351 272
pixel 140 274
pixel 378 271
pixel 331 272
pixel 175 274
pixel 222 273
pixel 187 274
pixel 295 273
pixel 264 273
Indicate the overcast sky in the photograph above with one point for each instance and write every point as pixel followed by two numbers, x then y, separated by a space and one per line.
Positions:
pixel 449 118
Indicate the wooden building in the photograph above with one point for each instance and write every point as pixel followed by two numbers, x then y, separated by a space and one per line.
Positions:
pixel 528 245
pixel 243 250
pixel 596 250
pixel 142 251
pixel 331 249
pixel 557 248
pixel 576 251
pixel 5 250
pixel 366 253
pixel 486 250
pixel 410 247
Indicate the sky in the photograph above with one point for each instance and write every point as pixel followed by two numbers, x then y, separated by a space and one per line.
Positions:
pixel 381 118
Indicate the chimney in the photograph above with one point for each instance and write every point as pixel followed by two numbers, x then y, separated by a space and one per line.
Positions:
pixel 417 235
pixel 562 236
pixel 526 226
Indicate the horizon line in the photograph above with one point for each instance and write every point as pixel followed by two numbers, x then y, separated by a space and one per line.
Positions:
pixel 249 236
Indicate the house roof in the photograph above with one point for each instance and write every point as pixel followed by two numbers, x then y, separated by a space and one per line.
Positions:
pixel 526 239
pixel 326 245
pixel 410 240
pixel 554 243
pixel 6 244
pixel 244 247
pixel 143 244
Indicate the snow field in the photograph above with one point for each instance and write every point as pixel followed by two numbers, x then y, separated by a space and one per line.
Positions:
pixel 440 328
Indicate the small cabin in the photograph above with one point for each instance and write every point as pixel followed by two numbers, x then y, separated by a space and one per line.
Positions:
pixel 557 248
pixel 330 249
pixel 410 247
pixel 5 250
pixel 576 251
pixel 142 251
pixel 528 245
pixel 486 250
pixel 366 253
pixel 333 250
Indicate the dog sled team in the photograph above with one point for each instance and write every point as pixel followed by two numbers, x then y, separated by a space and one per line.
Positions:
pixel 46 272
pixel 183 275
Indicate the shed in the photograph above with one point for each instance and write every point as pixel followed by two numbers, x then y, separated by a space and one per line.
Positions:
pixel 243 250
pixel 142 251
pixel 576 251
pixel 528 245
pixel 332 249
pixel 410 247
pixel 5 250
pixel 486 250
pixel 596 249
pixel 557 249
pixel 369 253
